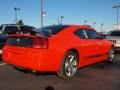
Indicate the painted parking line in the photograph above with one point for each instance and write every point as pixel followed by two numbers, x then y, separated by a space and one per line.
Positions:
pixel 2 64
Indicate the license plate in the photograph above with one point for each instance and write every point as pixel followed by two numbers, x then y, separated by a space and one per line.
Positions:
pixel 0 51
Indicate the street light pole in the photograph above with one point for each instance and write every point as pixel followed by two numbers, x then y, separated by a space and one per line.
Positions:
pixel 41 13
pixel 102 28
pixel 16 14
pixel 61 18
pixel 117 6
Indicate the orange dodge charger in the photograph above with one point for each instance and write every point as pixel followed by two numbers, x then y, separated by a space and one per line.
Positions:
pixel 57 48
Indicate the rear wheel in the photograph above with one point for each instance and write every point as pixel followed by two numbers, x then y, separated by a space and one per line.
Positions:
pixel 111 55
pixel 69 66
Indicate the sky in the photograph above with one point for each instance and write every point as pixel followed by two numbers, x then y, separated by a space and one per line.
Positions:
pixel 74 12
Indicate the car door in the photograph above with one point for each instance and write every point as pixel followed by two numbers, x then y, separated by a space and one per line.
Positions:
pixel 94 38
pixel 86 47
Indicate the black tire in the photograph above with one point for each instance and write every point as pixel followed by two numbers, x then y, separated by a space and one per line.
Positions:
pixel 69 65
pixel 111 55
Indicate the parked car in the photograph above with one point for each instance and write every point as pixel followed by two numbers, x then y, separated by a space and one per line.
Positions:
pixel 2 41
pixel 58 48
pixel 8 29
pixel 13 28
pixel 114 37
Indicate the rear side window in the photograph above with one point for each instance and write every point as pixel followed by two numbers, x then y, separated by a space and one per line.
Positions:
pixel 92 34
pixel 80 33
pixel 10 29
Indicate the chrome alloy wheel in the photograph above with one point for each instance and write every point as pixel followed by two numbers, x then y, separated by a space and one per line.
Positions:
pixel 111 55
pixel 70 65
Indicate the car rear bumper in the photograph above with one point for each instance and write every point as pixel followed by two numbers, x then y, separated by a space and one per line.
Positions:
pixel 35 59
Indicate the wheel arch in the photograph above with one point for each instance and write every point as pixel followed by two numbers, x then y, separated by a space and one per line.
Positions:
pixel 112 46
pixel 74 50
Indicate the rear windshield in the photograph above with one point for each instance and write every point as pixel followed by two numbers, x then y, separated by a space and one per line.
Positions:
pixel 52 30
pixel 114 33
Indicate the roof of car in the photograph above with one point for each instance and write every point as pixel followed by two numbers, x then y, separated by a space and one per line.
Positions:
pixel 71 25
pixel 13 25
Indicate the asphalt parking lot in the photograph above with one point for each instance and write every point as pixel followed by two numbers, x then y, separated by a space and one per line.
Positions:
pixel 102 76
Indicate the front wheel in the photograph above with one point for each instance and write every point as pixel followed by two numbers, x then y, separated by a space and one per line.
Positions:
pixel 69 66
pixel 111 55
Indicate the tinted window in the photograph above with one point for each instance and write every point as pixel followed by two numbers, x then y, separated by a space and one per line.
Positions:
pixel 26 28
pixel 114 33
pixel 92 34
pixel 1 27
pixel 51 29
pixel 10 29
pixel 80 33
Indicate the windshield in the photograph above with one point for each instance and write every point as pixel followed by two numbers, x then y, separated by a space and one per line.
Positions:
pixel 114 33
pixel 51 30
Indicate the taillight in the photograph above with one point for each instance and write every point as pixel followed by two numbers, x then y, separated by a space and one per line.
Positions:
pixel 40 42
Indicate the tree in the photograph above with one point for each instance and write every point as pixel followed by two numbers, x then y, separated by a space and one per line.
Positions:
pixel 20 22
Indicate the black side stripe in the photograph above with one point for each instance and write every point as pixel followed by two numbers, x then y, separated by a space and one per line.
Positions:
pixel 97 55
